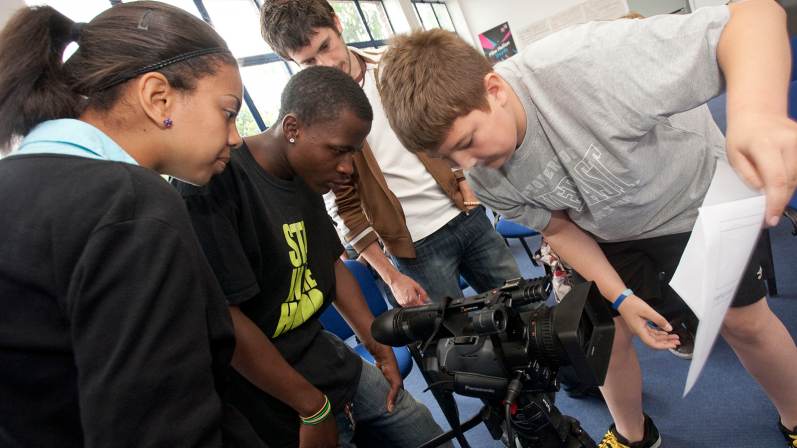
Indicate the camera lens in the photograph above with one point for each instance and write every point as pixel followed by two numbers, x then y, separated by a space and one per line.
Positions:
pixel 542 342
pixel 402 326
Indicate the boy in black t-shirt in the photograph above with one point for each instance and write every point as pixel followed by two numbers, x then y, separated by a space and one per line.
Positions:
pixel 263 227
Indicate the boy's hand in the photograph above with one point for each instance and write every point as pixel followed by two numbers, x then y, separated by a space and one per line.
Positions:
pixel 637 313
pixel 385 360
pixel 322 435
pixel 762 147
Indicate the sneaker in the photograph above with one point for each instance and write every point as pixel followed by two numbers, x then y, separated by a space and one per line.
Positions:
pixel 687 347
pixel 789 435
pixel 614 439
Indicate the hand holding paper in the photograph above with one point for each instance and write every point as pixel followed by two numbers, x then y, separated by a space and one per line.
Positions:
pixel 763 149
pixel 714 260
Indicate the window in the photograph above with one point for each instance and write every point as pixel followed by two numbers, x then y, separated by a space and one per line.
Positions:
pixel 365 24
pixel 265 83
pixel 433 14
pixel 376 18
pixel 246 123
pixel 238 21
pixel 443 17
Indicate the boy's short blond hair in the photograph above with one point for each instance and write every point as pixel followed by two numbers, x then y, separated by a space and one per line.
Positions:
pixel 632 15
pixel 428 79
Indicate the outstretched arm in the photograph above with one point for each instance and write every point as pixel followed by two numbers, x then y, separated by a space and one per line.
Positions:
pixel 351 304
pixel 406 290
pixel 261 364
pixel 582 253
pixel 753 53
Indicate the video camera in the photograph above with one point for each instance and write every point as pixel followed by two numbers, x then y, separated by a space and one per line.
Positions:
pixel 484 346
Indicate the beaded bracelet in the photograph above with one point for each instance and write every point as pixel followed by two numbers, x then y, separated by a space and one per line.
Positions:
pixel 319 416
pixel 472 203
pixel 622 297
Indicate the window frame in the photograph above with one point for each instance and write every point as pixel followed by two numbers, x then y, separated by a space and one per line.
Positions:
pixel 430 2
pixel 269 58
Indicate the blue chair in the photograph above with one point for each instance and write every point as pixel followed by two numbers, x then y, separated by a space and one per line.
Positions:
pixel 793 44
pixel 791 209
pixel 508 229
pixel 335 324
pixel 791 213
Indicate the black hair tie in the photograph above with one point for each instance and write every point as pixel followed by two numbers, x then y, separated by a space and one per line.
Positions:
pixel 127 76
pixel 76 29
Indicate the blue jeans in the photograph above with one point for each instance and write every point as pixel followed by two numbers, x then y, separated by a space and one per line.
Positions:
pixel 409 425
pixel 469 246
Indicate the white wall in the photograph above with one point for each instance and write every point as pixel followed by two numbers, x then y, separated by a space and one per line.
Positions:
pixel 477 16
pixel 482 15
pixel 701 3
pixel 7 8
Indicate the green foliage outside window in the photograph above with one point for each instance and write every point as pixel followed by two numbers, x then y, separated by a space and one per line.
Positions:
pixel 353 28
pixel 377 20
pixel 246 123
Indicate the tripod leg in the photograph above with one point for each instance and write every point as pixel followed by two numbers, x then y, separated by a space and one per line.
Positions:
pixel 445 400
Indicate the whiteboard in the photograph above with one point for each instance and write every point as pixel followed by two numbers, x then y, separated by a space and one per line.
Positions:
pixel 654 7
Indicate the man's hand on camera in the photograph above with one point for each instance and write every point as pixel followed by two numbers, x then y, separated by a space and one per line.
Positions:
pixel 636 314
pixel 406 290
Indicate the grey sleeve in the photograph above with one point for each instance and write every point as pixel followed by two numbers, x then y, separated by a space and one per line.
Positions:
pixel 665 65
pixel 626 76
pixel 499 196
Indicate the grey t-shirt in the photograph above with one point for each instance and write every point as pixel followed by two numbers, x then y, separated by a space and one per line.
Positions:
pixel 617 130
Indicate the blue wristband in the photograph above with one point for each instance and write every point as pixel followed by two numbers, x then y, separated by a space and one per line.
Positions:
pixel 622 297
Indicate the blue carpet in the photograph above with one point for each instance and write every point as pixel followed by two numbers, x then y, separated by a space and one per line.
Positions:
pixel 726 407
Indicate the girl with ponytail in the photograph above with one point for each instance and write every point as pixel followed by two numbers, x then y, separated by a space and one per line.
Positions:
pixel 113 330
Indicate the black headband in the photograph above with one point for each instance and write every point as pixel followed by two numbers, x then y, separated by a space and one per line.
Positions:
pixel 76 29
pixel 127 76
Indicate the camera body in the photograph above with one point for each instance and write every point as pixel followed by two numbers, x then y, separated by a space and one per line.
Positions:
pixel 475 345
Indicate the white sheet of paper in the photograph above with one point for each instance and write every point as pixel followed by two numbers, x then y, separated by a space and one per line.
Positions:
pixel 604 9
pixel 533 32
pixel 569 17
pixel 714 260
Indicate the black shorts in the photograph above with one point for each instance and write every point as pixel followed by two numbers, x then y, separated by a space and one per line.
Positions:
pixel 647 266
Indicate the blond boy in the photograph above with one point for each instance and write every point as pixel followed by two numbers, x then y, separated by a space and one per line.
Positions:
pixel 599 137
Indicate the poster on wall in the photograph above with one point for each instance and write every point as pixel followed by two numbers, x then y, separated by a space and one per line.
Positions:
pixel 498 43
pixel 581 13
